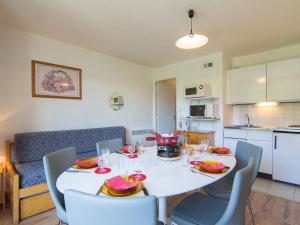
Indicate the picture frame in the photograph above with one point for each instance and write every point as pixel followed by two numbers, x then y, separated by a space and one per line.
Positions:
pixel 55 81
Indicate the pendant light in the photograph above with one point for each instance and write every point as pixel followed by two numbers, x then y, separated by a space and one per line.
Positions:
pixel 191 40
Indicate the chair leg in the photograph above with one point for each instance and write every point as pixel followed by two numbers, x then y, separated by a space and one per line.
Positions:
pixel 250 212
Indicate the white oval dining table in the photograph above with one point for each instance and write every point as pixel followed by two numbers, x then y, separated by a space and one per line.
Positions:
pixel 164 178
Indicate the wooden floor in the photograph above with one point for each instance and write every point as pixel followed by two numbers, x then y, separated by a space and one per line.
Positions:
pixel 268 210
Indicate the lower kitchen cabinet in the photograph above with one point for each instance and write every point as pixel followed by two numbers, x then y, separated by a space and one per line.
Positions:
pixel 195 137
pixel 286 155
pixel 266 160
pixel 231 143
pixel 261 138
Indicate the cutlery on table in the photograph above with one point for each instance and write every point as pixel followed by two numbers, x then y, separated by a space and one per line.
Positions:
pixel 99 191
pixel 144 189
pixel 77 171
pixel 202 173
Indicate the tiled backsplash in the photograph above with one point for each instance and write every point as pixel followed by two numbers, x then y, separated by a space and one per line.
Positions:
pixel 284 114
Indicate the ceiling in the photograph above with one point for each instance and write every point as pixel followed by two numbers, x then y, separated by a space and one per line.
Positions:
pixel 145 31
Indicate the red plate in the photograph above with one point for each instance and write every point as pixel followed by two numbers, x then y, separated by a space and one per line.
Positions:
pixel 140 176
pixel 102 171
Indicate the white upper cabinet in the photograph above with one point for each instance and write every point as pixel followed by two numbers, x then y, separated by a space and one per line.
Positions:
pixel 283 80
pixel 246 85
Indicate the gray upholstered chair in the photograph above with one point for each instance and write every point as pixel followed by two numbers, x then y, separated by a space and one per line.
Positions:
pixel 203 209
pixel 113 144
pixel 222 188
pixel 55 164
pixel 83 209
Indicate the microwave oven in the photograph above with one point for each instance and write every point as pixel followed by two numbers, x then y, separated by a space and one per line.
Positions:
pixel 208 110
pixel 197 91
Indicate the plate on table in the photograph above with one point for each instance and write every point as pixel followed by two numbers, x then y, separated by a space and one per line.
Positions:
pixel 121 186
pixel 125 150
pixel 86 163
pixel 220 150
pixel 211 167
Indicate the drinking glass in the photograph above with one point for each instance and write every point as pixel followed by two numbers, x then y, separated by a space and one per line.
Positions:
pixel 185 156
pixel 101 163
pixel 105 154
pixel 138 169
pixel 205 144
pixel 131 150
pixel 140 147
pixel 123 166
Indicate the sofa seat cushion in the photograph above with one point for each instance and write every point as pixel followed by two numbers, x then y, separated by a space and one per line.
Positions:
pixel 32 173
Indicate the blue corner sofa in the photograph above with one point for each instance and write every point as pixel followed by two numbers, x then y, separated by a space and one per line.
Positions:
pixel 26 178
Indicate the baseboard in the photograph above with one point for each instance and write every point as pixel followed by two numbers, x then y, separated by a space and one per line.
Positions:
pixel 265 176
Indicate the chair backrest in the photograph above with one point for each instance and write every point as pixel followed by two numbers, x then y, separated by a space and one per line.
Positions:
pixel 83 209
pixel 235 211
pixel 55 164
pixel 244 151
pixel 113 144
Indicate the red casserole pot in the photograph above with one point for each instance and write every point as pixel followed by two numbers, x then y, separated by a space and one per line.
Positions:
pixel 163 139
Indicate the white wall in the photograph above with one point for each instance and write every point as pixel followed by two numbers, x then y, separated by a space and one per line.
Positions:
pixel 287 52
pixel 190 71
pixel 102 75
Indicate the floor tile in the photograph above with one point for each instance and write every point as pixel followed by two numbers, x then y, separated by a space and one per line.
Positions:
pixel 282 190
pixel 297 190
pixel 297 197
pixel 261 185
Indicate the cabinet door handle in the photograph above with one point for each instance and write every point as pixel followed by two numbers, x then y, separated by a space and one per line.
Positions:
pixel 275 142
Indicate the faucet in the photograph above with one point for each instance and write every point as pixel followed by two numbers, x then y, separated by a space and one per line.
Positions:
pixel 248 119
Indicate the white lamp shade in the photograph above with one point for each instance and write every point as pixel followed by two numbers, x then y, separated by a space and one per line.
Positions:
pixel 191 41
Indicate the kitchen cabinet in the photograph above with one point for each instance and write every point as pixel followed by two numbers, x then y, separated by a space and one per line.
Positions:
pixel 231 143
pixel 283 80
pixel 286 155
pixel 195 137
pixel 246 85
pixel 261 138
pixel 266 160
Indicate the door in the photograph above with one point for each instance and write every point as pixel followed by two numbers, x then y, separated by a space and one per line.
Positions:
pixel 246 85
pixel 286 155
pixel 266 163
pixel 283 80
pixel 165 106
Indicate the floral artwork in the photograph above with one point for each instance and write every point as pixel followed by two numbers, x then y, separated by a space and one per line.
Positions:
pixel 55 81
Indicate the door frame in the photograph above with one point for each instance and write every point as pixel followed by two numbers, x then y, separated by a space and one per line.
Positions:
pixel 156 98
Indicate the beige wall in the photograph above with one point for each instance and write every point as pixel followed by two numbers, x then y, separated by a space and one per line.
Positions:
pixel 102 75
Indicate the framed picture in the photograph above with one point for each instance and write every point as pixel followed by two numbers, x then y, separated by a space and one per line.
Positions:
pixel 55 81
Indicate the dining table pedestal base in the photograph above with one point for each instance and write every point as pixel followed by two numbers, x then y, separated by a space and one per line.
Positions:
pixel 162 209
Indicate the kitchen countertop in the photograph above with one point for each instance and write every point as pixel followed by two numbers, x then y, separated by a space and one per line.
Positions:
pixel 266 128
pixel 270 128
pixel 198 131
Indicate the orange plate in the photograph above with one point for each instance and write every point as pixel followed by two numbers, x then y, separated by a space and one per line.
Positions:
pixel 217 150
pixel 107 191
pixel 211 166
pixel 86 163
pixel 224 170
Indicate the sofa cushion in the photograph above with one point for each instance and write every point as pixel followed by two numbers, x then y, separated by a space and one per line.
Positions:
pixel 33 146
pixel 32 173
